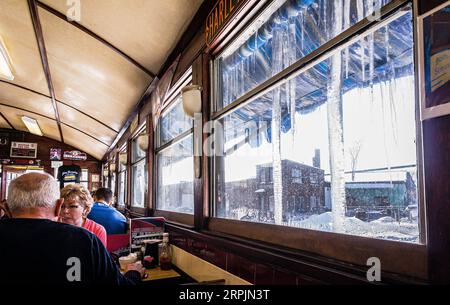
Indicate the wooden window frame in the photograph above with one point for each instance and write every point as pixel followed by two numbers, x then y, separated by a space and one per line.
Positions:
pixel 396 257
pixel 172 97
pixel 139 211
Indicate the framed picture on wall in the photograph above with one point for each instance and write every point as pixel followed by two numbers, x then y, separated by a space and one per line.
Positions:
pixel 55 154
pixel 434 54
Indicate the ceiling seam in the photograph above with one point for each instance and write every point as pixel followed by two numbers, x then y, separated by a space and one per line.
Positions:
pixel 43 52
pixel 64 103
pixel 96 37
pixel 133 114
pixel 52 119
pixel 85 133
pixel 7 121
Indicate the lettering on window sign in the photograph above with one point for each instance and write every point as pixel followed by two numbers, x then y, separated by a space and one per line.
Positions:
pixel 74 272
pixel 374 272
pixel 74 10
pixel 223 11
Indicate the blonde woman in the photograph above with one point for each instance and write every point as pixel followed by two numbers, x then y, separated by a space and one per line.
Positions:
pixel 77 205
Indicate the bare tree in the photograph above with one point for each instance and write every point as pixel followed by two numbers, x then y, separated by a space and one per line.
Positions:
pixel 354 153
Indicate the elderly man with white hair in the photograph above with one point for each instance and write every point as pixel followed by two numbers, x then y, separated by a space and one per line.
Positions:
pixel 37 249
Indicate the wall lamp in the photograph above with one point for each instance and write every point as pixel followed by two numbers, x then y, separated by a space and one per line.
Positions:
pixel 123 158
pixel 192 99
pixel 142 141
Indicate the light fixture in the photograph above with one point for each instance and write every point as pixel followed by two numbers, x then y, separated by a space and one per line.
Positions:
pixel 5 62
pixel 32 125
pixel 123 158
pixel 192 99
pixel 142 141
pixel 112 167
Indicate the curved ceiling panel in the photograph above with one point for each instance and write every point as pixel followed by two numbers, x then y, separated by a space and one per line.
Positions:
pixel 17 31
pixel 156 25
pixel 83 142
pixel 48 126
pixel 21 98
pixel 3 123
pixel 90 76
pixel 86 124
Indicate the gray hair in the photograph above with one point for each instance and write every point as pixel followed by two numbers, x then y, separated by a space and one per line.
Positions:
pixel 33 190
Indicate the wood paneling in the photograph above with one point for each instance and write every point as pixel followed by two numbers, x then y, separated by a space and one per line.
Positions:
pixel 43 153
pixel 427 5
pixel 437 189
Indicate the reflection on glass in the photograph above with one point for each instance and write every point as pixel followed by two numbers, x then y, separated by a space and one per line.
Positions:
pixel 113 183
pixel 175 190
pixel 84 174
pixel 342 158
pixel 295 28
pixel 122 187
pixel 139 172
pixel 173 122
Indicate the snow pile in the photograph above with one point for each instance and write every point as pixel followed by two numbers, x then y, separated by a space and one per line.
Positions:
pixel 383 228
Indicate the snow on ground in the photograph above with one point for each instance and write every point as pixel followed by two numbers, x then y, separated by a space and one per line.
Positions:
pixel 383 228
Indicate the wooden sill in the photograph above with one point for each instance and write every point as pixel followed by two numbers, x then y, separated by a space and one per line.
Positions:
pixel 396 257
pixel 182 219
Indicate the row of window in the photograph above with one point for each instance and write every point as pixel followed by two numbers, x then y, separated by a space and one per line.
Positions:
pixel 329 147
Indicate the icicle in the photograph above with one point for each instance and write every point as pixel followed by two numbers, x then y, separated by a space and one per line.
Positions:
pixel 277 65
pixel 302 28
pixel 371 63
pixel 325 16
pixel 347 26
pixel 360 14
pixel 336 128
pixel 292 58
pixel 386 151
pixel 243 80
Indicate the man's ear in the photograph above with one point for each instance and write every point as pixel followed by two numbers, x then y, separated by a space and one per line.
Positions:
pixel 58 205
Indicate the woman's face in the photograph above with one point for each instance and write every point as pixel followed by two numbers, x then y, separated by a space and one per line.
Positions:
pixel 72 211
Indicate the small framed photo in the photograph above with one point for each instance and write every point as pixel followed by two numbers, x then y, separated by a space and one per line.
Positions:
pixel 55 154
pixel 434 54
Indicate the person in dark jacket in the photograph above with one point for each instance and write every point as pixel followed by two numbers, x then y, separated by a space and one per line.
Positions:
pixel 36 249
pixel 103 213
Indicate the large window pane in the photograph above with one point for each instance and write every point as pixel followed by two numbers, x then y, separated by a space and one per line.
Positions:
pixel 139 191
pixel 173 122
pixel 295 28
pixel 175 190
pixel 333 149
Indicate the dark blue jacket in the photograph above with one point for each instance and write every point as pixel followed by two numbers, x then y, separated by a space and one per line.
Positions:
pixel 113 221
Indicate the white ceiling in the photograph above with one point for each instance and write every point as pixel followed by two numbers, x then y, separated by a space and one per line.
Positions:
pixel 97 84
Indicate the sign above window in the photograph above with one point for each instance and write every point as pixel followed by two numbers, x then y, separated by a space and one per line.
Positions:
pixel 74 155
pixel 23 150
pixel 220 15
